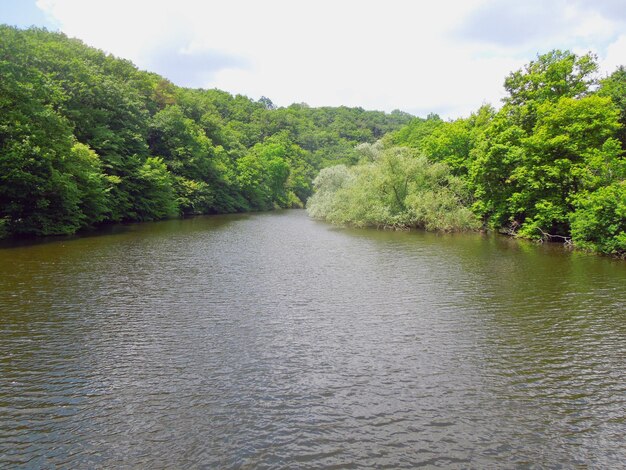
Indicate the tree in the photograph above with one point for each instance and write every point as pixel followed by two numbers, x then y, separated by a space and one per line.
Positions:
pixel 182 144
pixel 552 76
pixel 551 140
pixel 87 138
pixel 85 168
pixel 414 133
pixel 397 189
pixel 614 86
pixel 153 191
pixel 453 142
pixel 599 221
pixel 262 175
pixel 36 196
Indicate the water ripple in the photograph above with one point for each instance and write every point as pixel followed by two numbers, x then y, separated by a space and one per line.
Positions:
pixel 273 341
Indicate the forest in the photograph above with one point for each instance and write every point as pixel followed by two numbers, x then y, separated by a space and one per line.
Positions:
pixel 548 165
pixel 88 139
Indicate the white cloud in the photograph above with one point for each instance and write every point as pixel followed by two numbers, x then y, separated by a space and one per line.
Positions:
pixel 615 55
pixel 411 55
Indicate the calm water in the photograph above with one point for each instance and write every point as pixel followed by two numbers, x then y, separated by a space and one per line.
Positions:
pixel 274 341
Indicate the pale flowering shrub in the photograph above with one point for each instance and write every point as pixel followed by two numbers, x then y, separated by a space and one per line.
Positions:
pixel 393 187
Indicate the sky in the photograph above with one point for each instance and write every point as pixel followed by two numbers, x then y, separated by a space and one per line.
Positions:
pixel 443 56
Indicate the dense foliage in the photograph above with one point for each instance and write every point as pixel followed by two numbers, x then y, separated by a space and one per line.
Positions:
pixel 548 165
pixel 393 187
pixel 87 138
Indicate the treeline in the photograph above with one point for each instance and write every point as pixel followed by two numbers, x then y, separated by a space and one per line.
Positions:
pixel 87 138
pixel 548 165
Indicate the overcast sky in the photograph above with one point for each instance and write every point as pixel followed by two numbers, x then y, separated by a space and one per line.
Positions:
pixel 443 56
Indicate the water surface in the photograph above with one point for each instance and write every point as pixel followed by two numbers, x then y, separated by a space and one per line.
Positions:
pixel 275 341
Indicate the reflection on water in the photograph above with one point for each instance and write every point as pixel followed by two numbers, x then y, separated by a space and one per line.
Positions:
pixel 272 340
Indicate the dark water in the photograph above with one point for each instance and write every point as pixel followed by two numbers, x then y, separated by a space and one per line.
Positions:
pixel 274 341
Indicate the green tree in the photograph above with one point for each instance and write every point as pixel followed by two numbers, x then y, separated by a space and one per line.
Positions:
pixel 571 149
pixel 36 196
pixel 614 86
pixel 262 176
pixel 599 221
pixel 414 133
pixel 552 76
pixel 193 197
pixel 552 139
pixel 85 136
pixel 85 168
pixel 453 142
pixel 153 188
pixel 182 144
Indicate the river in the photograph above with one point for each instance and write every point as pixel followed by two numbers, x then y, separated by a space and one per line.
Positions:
pixel 275 341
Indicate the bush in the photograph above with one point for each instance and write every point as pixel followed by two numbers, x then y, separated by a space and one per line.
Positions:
pixel 599 221
pixel 397 189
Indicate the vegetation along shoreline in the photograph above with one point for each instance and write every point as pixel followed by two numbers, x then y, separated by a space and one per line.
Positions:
pixel 88 139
